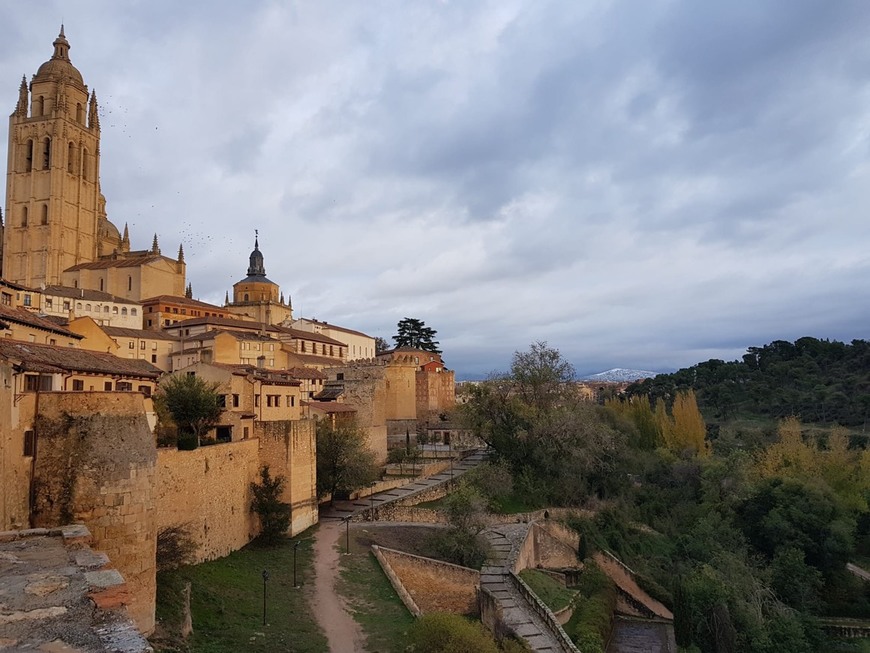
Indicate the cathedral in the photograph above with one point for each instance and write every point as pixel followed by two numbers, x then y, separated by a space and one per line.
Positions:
pixel 56 231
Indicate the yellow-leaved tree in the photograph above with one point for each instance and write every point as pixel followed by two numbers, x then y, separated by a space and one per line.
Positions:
pixel 689 430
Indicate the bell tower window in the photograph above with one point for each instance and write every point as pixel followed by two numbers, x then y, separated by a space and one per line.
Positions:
pixel 23 216
pixel 45 214
pixel 38 104
pixel 28 161
pixel 46 159
pixel 70 158
pixel 80 114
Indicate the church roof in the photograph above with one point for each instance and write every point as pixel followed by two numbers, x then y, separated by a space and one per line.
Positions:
pixel 256 268
pixel 120 262
pixel 145 334
pixel 59 66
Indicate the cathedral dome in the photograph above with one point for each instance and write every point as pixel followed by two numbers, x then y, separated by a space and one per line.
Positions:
pixel 59 66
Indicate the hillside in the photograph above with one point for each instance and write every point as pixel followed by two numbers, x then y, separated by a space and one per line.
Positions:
pixel 818 381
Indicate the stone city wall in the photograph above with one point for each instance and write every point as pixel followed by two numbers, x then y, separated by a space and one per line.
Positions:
pixel 289 448
pixel 431 585
pixel 207 491
pixel 95 465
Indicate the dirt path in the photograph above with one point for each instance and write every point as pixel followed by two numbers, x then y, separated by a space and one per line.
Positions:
pixel 341 630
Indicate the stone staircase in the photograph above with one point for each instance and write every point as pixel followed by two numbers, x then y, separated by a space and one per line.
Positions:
pixel 518 609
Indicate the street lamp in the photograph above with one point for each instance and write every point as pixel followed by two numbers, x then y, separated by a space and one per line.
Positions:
pixel 372 498
pixel 295 547
pixel 346 521
pixel 265 578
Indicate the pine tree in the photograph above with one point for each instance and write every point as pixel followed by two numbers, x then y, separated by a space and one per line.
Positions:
pixel 412 332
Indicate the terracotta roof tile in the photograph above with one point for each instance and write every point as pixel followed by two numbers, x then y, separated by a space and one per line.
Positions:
pixel 50 358
pixel 23 316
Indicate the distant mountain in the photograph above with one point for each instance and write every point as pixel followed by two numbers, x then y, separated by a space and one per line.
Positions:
pixel 620 375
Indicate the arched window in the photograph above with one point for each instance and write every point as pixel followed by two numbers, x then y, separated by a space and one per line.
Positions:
pixel 70 158
pixel 87 307
pixel 46 153
pixel 124 311
pixel 246 296
pixel 23 216
pixel 45 214
pixel 28 152
pixel 133 312
pixel 84 163
pixel 78 306
pixel 114 310
pixel 105 309
pixel 38 104
pixel 101 285
pixel 80 114
pixel 129 283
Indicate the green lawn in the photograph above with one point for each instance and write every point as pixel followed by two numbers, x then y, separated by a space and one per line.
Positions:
pixel 227 603
pixel 553 593
pixel 374 602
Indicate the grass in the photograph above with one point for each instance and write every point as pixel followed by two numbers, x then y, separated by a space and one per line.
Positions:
pixel 553 593
pixel 227 603
pixel 376 607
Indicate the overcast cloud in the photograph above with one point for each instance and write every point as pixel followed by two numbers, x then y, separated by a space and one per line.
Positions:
pixel 641 184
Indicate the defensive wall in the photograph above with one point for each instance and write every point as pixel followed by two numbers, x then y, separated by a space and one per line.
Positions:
pixel 208 490
pixel 96 465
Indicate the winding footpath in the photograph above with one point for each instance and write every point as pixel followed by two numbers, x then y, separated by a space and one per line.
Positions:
pixel 342 632
pixel 331 610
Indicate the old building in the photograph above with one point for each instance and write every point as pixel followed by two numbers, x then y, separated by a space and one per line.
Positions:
pixel 26 326
pixel 104 308
pixel 359 345
pixel 57 231
pixel 257 297
pixel 163 310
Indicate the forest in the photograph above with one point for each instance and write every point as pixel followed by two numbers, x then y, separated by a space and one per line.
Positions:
pixel 818 381
pixel 738 491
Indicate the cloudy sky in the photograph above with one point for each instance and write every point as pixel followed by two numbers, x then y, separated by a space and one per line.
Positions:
pixel 641 184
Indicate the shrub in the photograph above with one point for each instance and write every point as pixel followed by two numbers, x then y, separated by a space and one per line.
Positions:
pixel 592 620
pixel 449 633
pixel 175 547
pixel 274 514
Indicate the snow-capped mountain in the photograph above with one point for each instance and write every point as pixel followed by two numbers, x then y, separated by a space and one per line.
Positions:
pixel 620 375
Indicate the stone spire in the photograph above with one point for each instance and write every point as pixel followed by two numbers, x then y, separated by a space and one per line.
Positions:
pixel 181 252
pixel 93 113
pixel 125 239
pixel 256 267
pixel 61 46
pixel 282 297
pixel 21 107
pixel 188 292
pixel 155 248
pixel 227 298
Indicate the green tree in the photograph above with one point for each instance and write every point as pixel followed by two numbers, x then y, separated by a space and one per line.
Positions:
pixel 412 332
pixel 193 403
pixel 274 514
pixel 381 345
pixel 344 463
pixel 541 376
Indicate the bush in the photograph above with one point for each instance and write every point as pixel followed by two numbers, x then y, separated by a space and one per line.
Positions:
pixel 592 620
pixel 188 442
pixel 274 514
pixel 449 633
pixel 175 547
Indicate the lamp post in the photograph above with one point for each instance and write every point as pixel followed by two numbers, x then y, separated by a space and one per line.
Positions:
pixel 346 535
pixel 265 578
pixel 450 449
pixel 372 498
pixel 295 547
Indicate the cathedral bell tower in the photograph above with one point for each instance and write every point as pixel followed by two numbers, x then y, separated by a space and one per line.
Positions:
pixel 54 209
